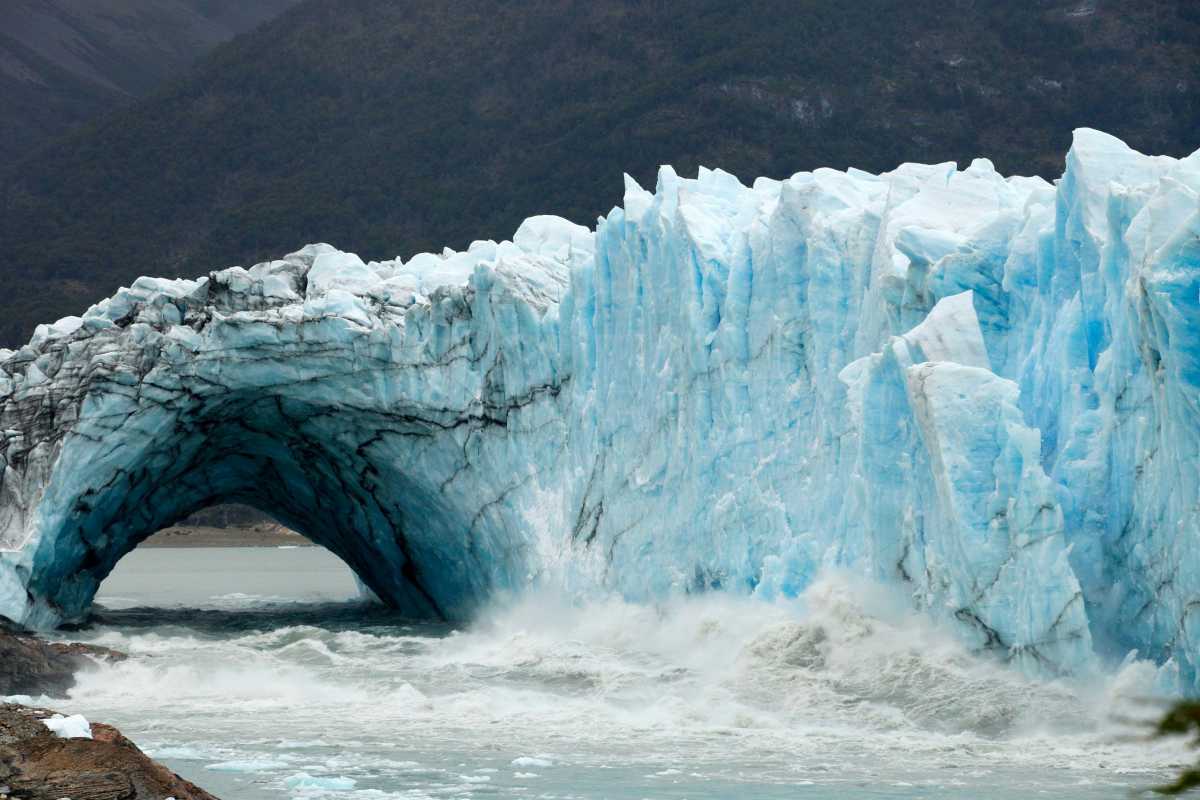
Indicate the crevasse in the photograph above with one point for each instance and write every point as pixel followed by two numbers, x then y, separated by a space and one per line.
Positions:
pixel 981 389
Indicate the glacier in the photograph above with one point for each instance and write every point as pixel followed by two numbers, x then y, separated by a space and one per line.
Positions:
pixel 980 389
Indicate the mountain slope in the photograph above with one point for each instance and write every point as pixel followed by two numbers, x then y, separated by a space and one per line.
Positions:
pixel 391 128
pixel 62 62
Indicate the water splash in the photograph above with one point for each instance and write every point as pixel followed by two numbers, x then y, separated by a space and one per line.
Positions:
pixel 841 689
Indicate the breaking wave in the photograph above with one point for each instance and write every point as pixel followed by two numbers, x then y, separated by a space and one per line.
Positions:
pixel 709 694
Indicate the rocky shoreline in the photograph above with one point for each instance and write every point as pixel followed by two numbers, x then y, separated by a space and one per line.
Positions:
pixel 31 666
pixel 38 764
pixel 76 759
pixel 260 535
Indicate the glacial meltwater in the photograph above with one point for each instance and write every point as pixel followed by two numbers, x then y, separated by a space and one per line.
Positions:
pixel 258 674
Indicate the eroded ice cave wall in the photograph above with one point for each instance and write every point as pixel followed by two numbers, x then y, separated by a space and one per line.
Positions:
pixel 981 389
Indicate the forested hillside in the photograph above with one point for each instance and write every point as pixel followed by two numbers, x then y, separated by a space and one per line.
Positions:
pixel 64 62
pixel 393 127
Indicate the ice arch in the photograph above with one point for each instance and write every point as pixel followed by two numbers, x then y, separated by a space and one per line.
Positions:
pixel 981 389
pixel 360 421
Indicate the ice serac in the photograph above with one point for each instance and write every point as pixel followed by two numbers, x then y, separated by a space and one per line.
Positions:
pixel 981 389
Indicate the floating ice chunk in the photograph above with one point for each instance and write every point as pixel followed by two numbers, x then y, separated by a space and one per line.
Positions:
pixel 182 752
pixel 475 778
pixel 247 765
pixel 302 780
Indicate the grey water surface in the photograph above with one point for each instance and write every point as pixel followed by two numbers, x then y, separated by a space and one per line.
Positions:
pixel 260 675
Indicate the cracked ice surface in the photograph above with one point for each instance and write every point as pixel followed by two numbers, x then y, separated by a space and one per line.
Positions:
pixel 981 388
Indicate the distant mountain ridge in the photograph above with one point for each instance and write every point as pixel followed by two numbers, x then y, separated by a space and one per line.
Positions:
pixel 62 62
pixel 390 128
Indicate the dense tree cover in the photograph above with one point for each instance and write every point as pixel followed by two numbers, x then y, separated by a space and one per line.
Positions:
pixel 63 62
pixel 394 127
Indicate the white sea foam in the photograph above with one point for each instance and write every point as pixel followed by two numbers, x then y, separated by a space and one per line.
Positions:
pixel 843 684
pixel 303 780
pixel 248 765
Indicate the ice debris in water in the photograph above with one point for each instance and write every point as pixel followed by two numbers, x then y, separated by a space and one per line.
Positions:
pixel 302 780
pixel 980 389
pixel 72 727
pixel 246 765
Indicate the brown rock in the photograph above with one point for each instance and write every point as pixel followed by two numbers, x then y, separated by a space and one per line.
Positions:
pixel 31 666
pixel 37 765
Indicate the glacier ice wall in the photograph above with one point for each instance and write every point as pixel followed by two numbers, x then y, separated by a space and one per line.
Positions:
pixel 981 388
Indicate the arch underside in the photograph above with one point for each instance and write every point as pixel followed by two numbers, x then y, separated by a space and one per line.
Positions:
pixel 365 485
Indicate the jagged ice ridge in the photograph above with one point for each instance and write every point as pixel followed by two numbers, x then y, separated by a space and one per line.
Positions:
pixel 981 389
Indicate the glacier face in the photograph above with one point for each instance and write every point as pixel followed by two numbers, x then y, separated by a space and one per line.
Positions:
pixel 983 389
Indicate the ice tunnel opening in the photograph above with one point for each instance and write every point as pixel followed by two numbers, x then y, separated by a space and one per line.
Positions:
pixel 224 562
pixel 334 476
